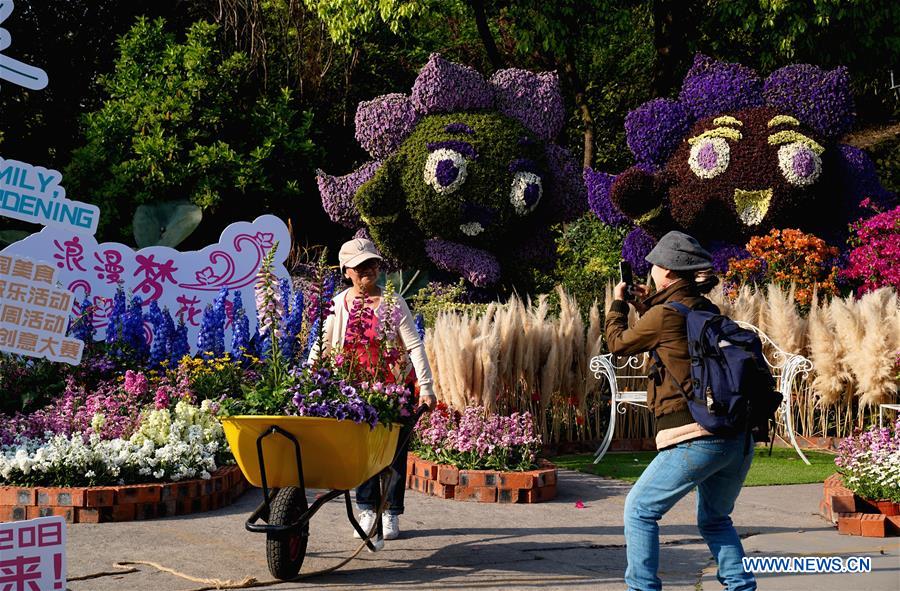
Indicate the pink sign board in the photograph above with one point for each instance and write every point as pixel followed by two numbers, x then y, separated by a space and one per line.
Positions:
pixel 33 555
pixel 183 282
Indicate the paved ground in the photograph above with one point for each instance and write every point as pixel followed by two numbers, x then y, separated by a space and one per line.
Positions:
pixel 452 545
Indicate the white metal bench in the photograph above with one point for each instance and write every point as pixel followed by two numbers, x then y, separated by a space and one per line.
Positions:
pixel 786 367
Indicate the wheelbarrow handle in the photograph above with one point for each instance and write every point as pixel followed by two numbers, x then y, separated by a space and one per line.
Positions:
pixel 423 408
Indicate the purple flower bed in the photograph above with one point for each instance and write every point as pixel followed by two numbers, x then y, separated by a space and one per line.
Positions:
pixel 475 440
pixel 870 463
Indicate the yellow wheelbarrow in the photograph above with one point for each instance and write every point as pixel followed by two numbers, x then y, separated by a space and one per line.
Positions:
pixel 284 455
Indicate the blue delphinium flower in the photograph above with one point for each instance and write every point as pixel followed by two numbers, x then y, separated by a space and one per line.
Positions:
pixel 240 329
pixel 178 344
pixel 162 337
pixel 153 315
pixel 207 335
pixel 115 323
pixel 219 317
pixel 133 330
pixel 83 327
pixel 290 327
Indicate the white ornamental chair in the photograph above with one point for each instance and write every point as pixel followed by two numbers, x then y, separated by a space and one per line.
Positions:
pixel 786 368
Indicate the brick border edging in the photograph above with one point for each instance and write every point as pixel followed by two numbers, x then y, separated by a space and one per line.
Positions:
pixel 484 486
pixel 856 516
pixel 102 504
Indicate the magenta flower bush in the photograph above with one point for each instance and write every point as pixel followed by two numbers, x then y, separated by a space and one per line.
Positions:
pixel 870 463
pixel 873 262
pixel 107 409
pixel 475 440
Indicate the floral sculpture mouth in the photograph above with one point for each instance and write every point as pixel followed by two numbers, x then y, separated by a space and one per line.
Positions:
pixel 466 178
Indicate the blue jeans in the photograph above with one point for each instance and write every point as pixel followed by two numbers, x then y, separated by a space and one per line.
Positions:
pixel 715 465
pixel 368 494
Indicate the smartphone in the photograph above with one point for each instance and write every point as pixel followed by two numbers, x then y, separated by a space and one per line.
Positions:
pixel 627 277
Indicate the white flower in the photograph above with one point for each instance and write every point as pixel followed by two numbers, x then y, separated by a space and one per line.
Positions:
pixel 709 157
pixel 471 229
pixel 445 170
pixel 523 201
pixel 800 164
pixel 97 421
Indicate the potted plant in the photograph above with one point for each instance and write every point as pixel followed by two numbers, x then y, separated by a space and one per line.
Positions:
pixel 869 462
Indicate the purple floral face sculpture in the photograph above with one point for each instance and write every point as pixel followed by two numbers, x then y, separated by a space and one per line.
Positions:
pixel 736 156
pixel 466 178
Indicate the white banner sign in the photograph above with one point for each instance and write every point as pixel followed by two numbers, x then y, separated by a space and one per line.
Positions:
pixel 183 282
pixel 34 194
pixel 12 70
pixel 33 555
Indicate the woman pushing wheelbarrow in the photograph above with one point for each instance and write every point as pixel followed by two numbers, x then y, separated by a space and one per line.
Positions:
pixel 356 397
pixel 360 266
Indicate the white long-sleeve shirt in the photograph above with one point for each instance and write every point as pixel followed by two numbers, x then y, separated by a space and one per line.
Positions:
pixel 336 329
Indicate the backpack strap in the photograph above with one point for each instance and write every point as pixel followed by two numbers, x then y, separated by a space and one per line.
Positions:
pixel 678 307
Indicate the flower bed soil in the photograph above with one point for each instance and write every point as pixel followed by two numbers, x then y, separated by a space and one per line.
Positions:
pixel 855 515
pixel 101 504
pixel 484 486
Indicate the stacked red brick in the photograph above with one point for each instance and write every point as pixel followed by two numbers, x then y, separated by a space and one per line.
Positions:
pixel 855 515
pixel 123 503
pixel 483 486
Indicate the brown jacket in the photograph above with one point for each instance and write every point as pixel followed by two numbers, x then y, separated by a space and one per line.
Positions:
pixel 662 329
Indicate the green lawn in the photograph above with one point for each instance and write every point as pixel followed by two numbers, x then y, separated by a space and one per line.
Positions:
pixel 784 467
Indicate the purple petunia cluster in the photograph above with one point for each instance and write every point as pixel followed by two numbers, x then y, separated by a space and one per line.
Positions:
pixel 478 267
pixel 383 122
pixel 712 87
pixel 655 129
pixel 598 185
pixel 470 90
pixel 820 99
pixel 532 98
pixel 638 245
pixel 345 404
pixel 337 193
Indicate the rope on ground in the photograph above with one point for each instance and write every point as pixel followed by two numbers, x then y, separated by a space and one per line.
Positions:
pixel 247 582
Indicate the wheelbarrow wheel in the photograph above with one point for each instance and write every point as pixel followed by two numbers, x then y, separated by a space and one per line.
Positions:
pixel 285 551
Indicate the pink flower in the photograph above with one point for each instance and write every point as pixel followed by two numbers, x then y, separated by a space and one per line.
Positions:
pixel 162 398
pixel 135 383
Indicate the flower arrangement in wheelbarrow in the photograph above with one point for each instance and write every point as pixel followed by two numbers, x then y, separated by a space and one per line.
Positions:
pixel 736 156
pixel 465 177
pixel 341 412
pixel 335 385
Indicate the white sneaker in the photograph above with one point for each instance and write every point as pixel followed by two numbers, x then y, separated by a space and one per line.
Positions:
pixel 390 526
pixel 366 521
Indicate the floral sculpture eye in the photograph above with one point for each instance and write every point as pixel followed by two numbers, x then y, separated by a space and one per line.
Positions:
pixel 800 164
pixel 709 157
pixel 445 170
pixel 526 192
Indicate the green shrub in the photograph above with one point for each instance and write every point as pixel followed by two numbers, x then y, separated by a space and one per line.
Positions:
pixel 588 254
pixel 178 125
